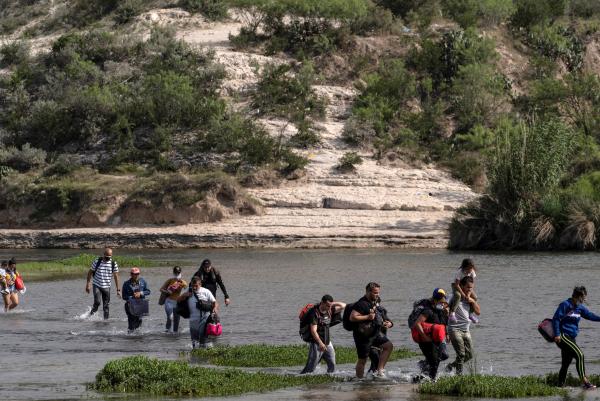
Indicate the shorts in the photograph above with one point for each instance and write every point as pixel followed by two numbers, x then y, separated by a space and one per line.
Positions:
pixel 437 332
pixel 363 345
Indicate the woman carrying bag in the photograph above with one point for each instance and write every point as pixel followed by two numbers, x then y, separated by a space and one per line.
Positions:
pixel 566 327
pixel 201 304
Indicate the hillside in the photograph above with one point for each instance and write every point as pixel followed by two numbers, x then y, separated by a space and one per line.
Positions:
pixel 287 123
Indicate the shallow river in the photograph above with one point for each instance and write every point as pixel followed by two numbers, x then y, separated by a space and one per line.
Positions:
pixel 50 350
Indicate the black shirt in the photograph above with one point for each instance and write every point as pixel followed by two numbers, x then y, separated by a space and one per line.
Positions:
pixel 210 281
pixel 322 320
pixel 367 328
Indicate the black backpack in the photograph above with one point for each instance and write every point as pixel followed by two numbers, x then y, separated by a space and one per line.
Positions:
pixel 418 308
pixel 348 325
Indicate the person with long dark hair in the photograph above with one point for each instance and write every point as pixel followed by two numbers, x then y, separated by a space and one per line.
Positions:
pixel 566 327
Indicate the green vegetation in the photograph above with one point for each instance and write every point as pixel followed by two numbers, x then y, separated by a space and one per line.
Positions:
pixel 212 9
pixel 348 162
pixel 502 93
pixel 481 386
pixel 307 28
pixel 139 374
pixel 262 355
pixel 285 91
pixel 73 266
pixel 124 102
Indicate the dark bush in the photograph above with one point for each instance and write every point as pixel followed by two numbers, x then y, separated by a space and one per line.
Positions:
pixel 348 162
pixel 557 42
pixel 212 9
pixel 304 28
pixel 286 91
pixel 14 53
pixel 23 159
pixel 127 10
pixel 479 96
pixel 465 12
pixel 493 12
pixel 64 164
pixel 442 59
pixel 532 12
pixel 584 8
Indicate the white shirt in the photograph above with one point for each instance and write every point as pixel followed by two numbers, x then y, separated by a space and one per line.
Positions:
pixel 202 294
pixel 460 274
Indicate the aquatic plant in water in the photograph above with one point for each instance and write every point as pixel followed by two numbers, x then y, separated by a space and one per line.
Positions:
pixel 263 355
pixel 488 386
pixel 75 265
pixel 140 374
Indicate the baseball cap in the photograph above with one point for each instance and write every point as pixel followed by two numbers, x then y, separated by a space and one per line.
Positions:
pixel 439 293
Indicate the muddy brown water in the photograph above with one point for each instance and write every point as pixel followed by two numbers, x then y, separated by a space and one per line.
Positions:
pixel 50 349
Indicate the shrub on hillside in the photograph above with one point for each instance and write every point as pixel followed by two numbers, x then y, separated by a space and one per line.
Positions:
pixel 532 12
pixel 212 9
pixel 479 96
pixel 576 98
pixel 127 10
pixel 23 159
pixel 385 96
pixel 558 43
pixel 302 27
pixel 348 162
pixel 493 12
pixel 584 8
pixel 465 12
pixel 286 91
pixel 14 53
pixel 442 59
pixel 134 98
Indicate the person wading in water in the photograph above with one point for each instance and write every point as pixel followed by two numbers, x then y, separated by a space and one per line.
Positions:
pixel 211 278
pixel 566 327
pixel 103 270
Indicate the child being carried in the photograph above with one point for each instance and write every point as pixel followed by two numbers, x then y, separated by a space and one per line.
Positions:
pixel 467 268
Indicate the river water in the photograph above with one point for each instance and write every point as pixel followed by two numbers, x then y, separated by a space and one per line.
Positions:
pixel 50 349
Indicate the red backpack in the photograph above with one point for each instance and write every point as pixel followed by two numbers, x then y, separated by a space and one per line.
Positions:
pixel 304 311
pixel 304 331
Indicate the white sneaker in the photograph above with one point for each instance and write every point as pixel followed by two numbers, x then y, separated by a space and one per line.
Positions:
pixel 380 374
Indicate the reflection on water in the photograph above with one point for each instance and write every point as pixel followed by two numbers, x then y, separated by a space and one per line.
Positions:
pixel 52 348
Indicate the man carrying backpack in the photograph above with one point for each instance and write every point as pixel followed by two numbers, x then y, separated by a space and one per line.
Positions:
pixel 428 322
pixel 314 327
pixel 368 322
pixel 103 270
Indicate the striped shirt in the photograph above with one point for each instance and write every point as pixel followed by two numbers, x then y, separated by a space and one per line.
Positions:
pixel 103 271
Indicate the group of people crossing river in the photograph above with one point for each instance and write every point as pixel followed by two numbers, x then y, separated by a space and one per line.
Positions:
pixel 434 321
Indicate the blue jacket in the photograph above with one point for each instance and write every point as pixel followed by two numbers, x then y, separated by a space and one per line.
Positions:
pixel 567 316
pixel 129 288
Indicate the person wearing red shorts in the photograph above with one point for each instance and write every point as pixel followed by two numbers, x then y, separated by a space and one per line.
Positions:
pixel 429 331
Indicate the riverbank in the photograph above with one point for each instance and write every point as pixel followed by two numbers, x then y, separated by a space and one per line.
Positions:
pixel 305 229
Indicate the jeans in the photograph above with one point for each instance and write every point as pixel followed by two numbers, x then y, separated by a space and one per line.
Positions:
pixel 463 346
pixel 170 305
pixel 133 322
pixel 104 294
pixel 198 330
pixel 315 355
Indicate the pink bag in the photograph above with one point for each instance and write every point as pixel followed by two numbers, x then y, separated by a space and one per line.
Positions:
pixel 214 329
